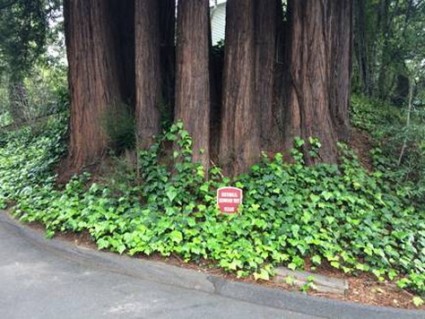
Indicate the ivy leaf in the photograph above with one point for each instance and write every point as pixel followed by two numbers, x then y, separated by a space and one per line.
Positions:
pixel 292 266
pixel 263 274
pixel 316 259
pixel 235 264
pixel 417 301
pixel 102 243
pixel 295 229
pixel 121 249
pixel 314 198
pixel 327 195
pixel 204 188
pixel 171 193
pixel 176 236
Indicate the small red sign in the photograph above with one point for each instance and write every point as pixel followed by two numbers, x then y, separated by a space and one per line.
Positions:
pixel 229 199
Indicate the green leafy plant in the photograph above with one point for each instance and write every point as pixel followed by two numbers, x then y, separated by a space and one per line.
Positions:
pixel 308 285
pixel 341 215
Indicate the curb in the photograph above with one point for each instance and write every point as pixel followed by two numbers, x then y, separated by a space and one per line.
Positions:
pixel 200 281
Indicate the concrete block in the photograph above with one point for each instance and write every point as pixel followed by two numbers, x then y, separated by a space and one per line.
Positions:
pixel 321 283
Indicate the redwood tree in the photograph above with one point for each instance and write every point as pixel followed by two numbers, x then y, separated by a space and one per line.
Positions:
pixel 93 78
pixel 103 35
pixel 340 16
pixel 192 74
pixel 265 32
pixel 240 132
pixel 148 71
pixel 313 108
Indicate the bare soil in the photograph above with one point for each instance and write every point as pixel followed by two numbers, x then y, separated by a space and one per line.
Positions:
pixel 362 144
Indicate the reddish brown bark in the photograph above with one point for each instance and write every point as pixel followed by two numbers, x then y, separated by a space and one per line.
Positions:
pixel 148 72
pixel 93 78
pixel 265 53
pixel 240 134
pixel 314 108
pixel 192 75
pixel 340 14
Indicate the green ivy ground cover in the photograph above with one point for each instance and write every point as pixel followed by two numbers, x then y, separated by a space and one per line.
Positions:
pixel 341 215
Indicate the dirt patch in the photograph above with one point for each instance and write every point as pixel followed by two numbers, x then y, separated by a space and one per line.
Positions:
pixel 362 144
pixel 64 171
pixel 81 239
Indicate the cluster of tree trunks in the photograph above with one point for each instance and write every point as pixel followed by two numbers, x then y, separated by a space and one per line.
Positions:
pixel 286 73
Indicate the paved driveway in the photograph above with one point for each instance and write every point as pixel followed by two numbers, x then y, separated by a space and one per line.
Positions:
pixel 39 283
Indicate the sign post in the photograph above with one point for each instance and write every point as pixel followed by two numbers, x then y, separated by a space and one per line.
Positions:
pixel 229 199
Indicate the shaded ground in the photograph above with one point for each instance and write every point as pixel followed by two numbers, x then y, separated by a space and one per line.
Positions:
pixel 362 143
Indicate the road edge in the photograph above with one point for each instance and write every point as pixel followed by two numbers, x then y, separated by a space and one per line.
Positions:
pixel 197 280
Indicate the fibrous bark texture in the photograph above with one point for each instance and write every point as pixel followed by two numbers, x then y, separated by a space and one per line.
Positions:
pixel 192 75
pixel 314 108
pixel 266 12
pixel 148 72
pixel 341 21
pixel 240 133
pixel 93 78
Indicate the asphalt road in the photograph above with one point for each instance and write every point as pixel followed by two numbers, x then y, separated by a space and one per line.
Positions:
pixel 52 279
pixel 38 283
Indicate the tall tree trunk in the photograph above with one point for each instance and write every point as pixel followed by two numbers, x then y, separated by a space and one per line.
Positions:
pixel 148 72
pixel 265 57
pixel 340 36
pixel 93 78
pixel 192 76
pixel 311 101
pixel 240 134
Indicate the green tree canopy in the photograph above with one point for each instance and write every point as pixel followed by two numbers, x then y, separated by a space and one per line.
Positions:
pixel 24 30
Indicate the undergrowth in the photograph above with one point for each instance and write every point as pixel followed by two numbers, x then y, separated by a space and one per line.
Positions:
pixel 343 216
pixel 387 125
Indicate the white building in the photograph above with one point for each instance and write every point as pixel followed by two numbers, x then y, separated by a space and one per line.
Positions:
pixel 218 20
